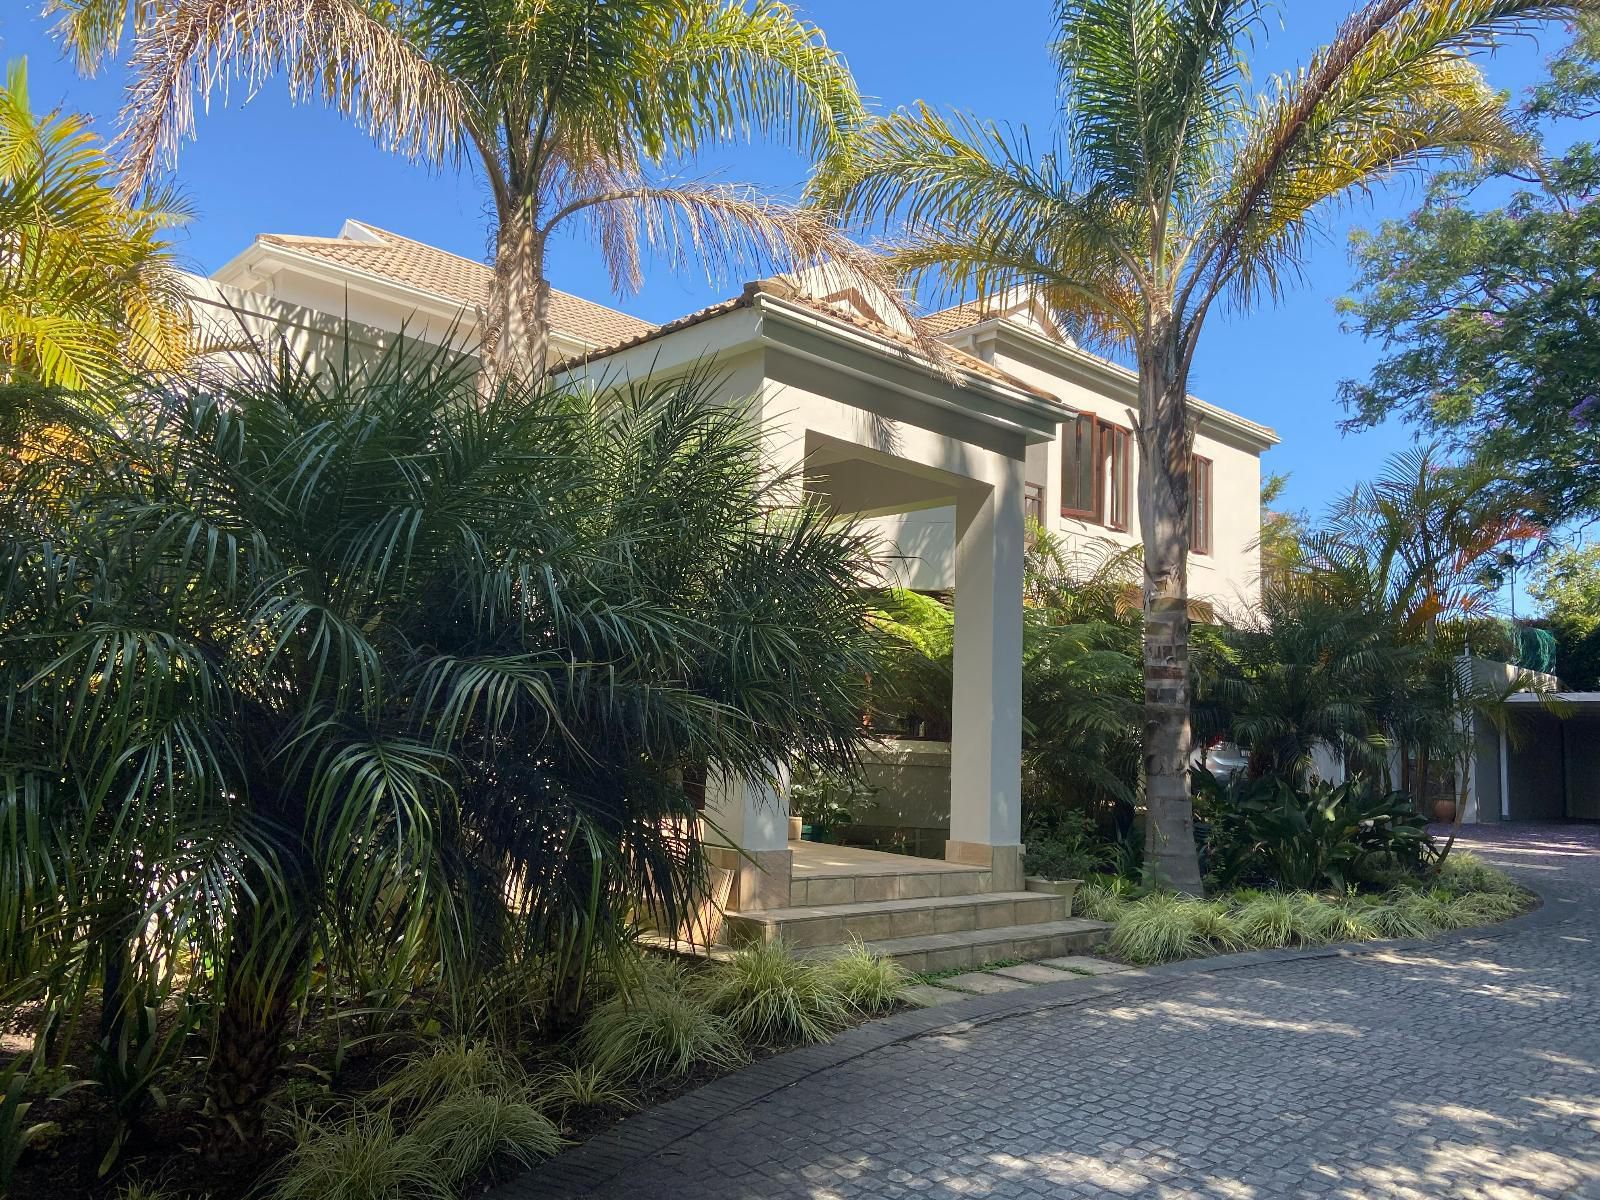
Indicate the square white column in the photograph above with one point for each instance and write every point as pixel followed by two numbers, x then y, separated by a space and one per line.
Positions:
pixel 986 731
pixel 751 838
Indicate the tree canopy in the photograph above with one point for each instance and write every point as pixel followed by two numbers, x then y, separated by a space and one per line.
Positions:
pixel 1490 317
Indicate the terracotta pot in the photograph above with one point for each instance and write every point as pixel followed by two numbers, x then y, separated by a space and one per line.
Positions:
pixel 1444 811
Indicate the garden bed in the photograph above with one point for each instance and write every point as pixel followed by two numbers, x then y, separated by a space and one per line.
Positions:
pixel 354 1110
pixel 1162 927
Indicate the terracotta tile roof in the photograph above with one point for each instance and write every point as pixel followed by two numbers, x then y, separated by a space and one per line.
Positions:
pixel 458 280
pixel 959 316
pixel 971 364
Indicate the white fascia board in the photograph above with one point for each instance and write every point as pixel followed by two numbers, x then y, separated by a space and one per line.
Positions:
pixel 1005 407
pixel 1102 374
pixel 762 323
pixel 379 287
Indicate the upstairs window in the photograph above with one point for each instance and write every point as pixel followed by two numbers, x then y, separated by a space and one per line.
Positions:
pixel 1117 453
pixel 1096 472
pixel 1080 468
pixel 1200 505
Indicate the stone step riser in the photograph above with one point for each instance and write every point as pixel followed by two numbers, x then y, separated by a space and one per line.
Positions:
pixel 951 915
pixel 860 889
pixel 1019 945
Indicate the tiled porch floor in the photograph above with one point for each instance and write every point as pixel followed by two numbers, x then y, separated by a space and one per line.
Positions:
pixel 814 860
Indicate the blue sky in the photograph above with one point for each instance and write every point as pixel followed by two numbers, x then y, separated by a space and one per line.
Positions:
pixel 260 164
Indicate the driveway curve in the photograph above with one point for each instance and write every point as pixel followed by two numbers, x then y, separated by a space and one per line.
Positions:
pixel 1466 1067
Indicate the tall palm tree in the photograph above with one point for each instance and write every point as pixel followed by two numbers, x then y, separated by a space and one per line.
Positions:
pixel 87 282
pixel 570 108
pixel 310 670
pixel 1174 189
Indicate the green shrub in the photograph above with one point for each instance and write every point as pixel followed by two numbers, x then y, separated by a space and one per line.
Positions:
pixel 587 1086
pixel 433 1073
pixel 1305 838
pixel 363 1158
pixel 868 982
pixel 772 997
pixel 1485 908
pixel 1398 915
pixel 1159 929
pixel 1465 873
pixel 1103 899
pixel 1270 920
pixel 659 1029
pixel 467 1131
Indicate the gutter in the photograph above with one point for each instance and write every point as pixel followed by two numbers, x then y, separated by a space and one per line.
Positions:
pixel 1102 370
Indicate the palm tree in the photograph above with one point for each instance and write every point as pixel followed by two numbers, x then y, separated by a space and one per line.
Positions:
pixel 568 107
pixel 311 671
pixel 87 282
pixel 1172 190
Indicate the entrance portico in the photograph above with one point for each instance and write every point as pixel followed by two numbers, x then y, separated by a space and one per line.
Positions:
pixel 881 430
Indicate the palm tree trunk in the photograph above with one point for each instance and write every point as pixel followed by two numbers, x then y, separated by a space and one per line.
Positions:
pixel 252 1027
pixel 1170 858
pixel 517 341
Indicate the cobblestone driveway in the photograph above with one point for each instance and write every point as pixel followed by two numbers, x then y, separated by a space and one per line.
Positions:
pixel 1467 1069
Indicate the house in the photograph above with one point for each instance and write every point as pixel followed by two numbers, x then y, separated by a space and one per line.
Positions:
pixel 946 453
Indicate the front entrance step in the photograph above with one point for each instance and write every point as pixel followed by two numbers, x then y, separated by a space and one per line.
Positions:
pixel 886 920
pixel 812 890
pixel 974 948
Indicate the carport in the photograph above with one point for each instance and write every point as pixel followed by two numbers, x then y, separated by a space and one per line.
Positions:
pixel 1546 766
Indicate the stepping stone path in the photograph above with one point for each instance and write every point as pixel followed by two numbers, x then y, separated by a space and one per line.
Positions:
pixel 1008 979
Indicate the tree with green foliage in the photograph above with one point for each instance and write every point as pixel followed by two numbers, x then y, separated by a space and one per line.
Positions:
pixel 1566 584
pixel 88 285
pixel 1490 317
pixel 1176 188
pixel 573 110
pixel 362 673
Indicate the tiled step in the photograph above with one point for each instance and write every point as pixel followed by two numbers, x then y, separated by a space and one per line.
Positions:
pixel 973 948
pixel 886 920
pixel 898 885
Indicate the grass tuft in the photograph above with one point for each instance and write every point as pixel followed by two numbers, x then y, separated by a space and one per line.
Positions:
pixel 1465 873
pixel 1158 929
pixel 588 1086
pixel 435 1072
pixel 659 1030
pixel 1103 900
pixel 869 983
pixel 470 1130
pixel 772 997
pixel 364 1158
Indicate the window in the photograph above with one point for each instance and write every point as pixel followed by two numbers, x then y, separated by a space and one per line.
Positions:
pixel 1080 468
pixel 1116 450
pixel 1096 472
pixel 1033 503
pixel 1200 505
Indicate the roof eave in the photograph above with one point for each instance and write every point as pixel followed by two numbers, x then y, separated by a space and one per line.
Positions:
pixel 1121 377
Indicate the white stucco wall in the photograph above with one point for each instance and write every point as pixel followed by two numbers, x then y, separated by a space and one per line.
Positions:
pixel 1229 576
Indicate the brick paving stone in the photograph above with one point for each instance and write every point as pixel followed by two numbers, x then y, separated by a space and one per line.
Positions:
pixel 928 995
pixel 982 983
pixel 1468 1069
pixel 1083 964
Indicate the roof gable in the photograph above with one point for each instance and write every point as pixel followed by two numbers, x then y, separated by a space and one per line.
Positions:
pixel 458 281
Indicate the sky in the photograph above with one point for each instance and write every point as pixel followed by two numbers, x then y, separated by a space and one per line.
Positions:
pixel 262 165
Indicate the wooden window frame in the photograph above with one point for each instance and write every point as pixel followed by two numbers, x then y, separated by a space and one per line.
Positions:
pixel 1033 501
pixel 1110 434
pixel 1200 479
pixel 1095 514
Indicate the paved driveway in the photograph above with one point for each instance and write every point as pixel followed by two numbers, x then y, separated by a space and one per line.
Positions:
pixel 1469 1068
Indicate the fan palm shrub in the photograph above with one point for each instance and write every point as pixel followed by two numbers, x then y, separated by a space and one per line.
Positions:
pixel 87 281
pixel 1173 190
pixel 573 112
pixel 307 669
